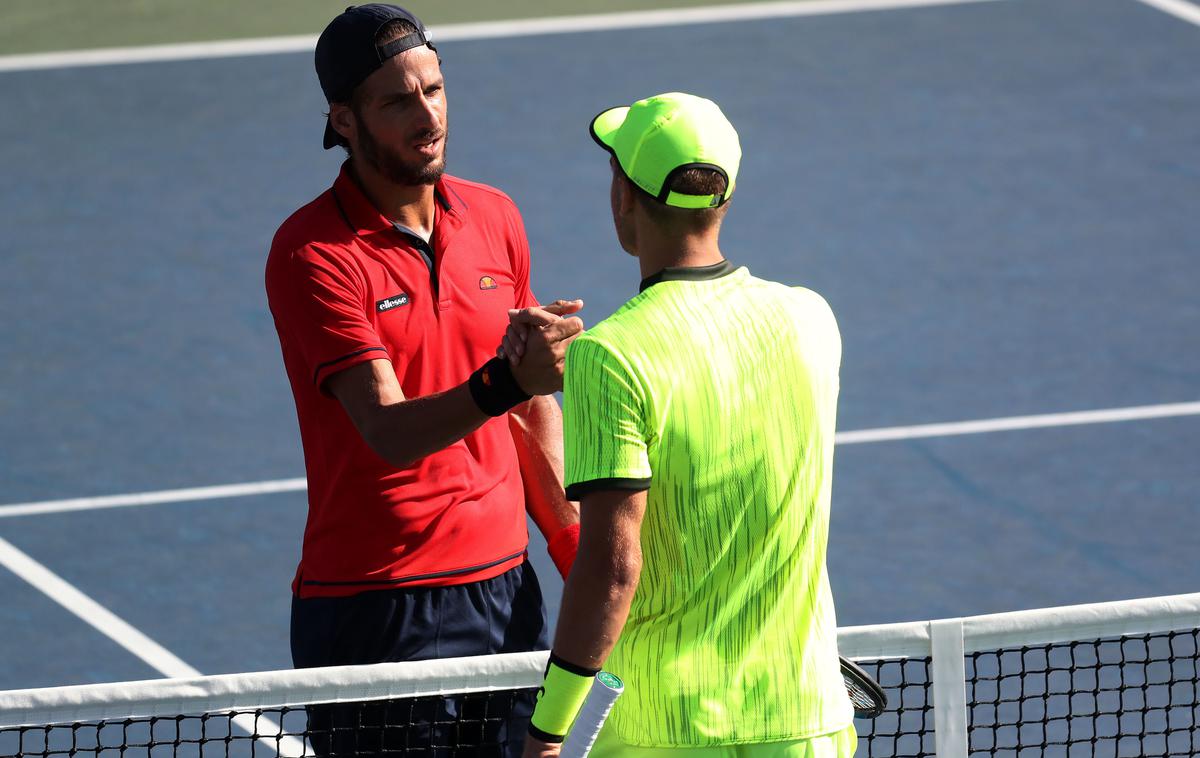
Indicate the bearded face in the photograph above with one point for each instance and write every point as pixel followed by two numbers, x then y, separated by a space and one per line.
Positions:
pixel 424 163
pixel 396 119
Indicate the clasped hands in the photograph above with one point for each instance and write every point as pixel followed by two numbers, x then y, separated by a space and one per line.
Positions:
pixel 535 344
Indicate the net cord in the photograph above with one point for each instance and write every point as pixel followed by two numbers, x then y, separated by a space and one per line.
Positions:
pixel 168 697
pixel 1036 627
pixel 272 689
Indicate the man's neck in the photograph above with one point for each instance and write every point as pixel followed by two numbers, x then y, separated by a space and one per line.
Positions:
pixel 411 206
pixel 688 252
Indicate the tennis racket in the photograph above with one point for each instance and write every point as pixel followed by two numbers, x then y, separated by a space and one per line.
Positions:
pixel 865 693
pixel 600 698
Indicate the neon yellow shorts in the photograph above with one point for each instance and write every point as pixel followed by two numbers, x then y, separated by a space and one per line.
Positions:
pixel 837 745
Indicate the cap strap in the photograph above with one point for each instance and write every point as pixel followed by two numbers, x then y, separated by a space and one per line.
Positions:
pixel 397 46
pixel 679 200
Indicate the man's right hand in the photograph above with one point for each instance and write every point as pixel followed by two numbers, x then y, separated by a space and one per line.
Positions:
pixel 536 344
pixel 512 345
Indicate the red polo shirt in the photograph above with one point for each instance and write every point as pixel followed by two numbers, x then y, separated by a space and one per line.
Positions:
pixel 345 286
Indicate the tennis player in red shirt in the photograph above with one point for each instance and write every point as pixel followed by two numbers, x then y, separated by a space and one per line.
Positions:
pixel 390 292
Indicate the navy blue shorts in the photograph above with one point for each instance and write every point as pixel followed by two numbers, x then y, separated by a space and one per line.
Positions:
pixel 500 615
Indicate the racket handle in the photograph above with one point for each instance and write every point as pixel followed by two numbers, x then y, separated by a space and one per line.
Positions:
pixel 600 698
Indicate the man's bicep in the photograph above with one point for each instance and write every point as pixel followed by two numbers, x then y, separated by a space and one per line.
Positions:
pixel 613 509
pixel 613 516
pixel 363 390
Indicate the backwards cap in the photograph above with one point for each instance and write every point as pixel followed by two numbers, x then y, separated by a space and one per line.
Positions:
pixel 347 53
pixel 657 138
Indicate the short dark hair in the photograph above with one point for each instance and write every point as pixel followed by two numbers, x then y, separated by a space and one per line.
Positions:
pixel 389 32
pixel 693 181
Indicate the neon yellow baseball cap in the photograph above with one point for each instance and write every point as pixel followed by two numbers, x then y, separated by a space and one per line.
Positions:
pixel 656 138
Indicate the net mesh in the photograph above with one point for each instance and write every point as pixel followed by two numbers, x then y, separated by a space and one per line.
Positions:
pixel 1133 696
pixel 476 724
pixel 1082 694
pixel 906 727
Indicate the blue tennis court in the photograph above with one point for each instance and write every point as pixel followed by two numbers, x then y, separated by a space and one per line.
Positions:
pixel 997 198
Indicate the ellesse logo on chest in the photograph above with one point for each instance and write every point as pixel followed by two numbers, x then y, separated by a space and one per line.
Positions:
pixel 487 283
pixel 388 303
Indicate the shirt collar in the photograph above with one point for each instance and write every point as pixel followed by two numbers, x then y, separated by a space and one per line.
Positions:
pixel 364 218
pixel 687 274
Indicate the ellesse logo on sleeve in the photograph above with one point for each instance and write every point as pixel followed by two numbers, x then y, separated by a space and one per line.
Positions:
pixel 395 301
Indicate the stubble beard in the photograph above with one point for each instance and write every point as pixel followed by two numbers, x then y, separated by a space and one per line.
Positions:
pixel 395 169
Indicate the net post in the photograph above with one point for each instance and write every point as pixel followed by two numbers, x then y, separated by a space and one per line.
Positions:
pixel 949 674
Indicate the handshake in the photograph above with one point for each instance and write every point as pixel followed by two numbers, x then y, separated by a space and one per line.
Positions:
pixel 535 344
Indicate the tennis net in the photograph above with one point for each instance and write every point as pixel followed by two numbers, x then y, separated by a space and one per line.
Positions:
pixel 1108 679
pixel 450 707
pixel 1111 679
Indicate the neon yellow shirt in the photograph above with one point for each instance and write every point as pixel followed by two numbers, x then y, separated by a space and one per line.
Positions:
pixel 717 392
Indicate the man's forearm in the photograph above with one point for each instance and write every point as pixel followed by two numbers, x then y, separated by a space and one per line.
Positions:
pixel 537 433
pixel 599 590
pixel 402 430
pixel 407 431
pixel 595 606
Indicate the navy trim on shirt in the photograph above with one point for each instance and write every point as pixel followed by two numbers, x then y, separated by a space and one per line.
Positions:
pixel 688 274
pixel 579 489
pixel 348 356
pixel 414 577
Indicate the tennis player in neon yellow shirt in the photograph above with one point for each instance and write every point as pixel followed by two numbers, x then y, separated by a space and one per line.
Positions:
pixel 698 423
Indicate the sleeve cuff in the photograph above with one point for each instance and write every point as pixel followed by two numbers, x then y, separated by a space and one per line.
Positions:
pixel 328 368
pixel 579 489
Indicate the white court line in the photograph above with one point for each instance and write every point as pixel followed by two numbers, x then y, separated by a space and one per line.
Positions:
pixel 886 434
pixel 1178 8
pixel 1019 422
pixel 470 31
pixel 153 654
pixel 121 632
pixel 154 498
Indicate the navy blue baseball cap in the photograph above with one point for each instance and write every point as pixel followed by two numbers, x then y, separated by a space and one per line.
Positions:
pixel 347 53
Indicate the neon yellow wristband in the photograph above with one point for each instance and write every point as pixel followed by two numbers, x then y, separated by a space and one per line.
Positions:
pixel 560 698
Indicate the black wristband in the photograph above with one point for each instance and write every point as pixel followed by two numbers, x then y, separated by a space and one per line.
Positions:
pixel 495 389
pixel 572 668
pixel 553 739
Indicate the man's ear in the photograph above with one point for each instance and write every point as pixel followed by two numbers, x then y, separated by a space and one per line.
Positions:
pixel 343 120
pixel 625 194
